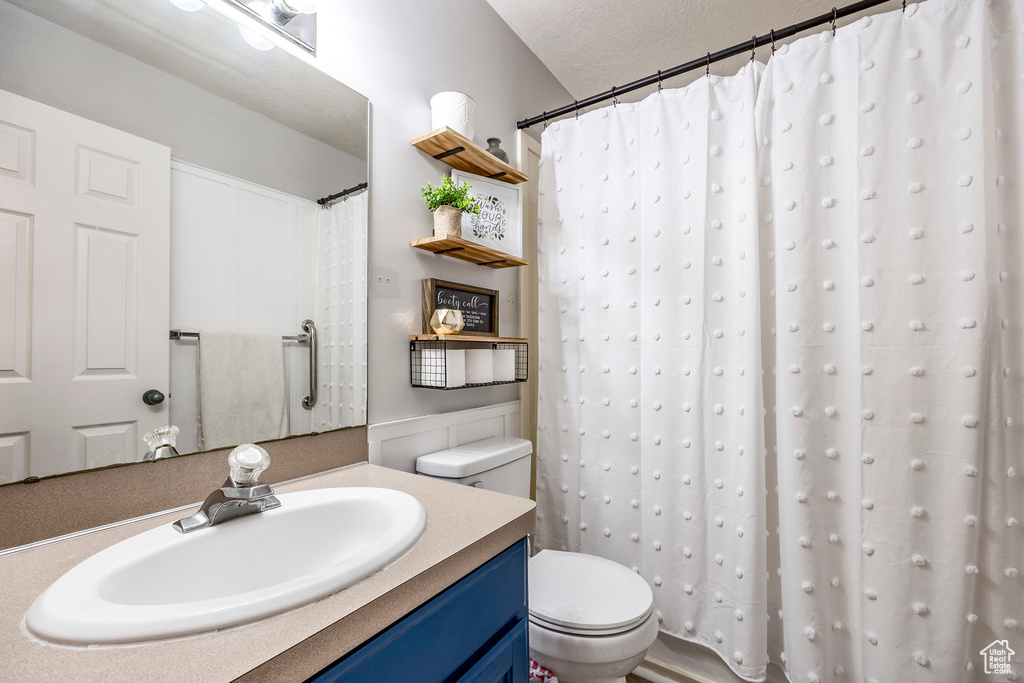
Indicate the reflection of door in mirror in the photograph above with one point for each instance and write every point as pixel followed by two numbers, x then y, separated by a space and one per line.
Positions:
pixel 84 236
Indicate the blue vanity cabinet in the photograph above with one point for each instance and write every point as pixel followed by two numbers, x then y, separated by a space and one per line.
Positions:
pixel 474 632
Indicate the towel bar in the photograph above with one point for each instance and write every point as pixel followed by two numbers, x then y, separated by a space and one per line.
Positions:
pixel 301 338
pixel 308 336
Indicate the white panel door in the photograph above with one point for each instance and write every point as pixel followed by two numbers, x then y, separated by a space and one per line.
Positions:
pixel 84 282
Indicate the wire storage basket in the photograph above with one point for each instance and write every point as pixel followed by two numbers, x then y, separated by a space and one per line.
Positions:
pixel 440 363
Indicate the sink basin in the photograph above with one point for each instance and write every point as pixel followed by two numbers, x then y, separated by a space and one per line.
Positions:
pixel 162 584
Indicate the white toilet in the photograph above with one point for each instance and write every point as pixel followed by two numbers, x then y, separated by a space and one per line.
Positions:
pixel 591 620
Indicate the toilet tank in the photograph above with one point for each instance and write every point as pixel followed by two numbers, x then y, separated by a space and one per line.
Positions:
pixel 501 463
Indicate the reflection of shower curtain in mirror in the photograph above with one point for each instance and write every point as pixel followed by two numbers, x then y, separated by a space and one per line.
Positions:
pixel 341 315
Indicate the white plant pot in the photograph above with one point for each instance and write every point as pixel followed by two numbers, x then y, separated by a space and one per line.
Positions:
pixel 455 110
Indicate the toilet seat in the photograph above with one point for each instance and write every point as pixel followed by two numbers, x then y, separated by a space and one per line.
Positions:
pixel 584 631
pixel 584 595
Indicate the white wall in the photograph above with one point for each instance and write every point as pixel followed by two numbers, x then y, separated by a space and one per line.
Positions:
pixel 243 258
pixel 399 53
pixel 52 65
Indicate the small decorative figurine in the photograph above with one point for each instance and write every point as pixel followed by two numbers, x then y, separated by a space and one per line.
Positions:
pixel 447 321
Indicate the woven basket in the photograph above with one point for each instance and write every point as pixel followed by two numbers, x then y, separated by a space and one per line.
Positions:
pixel 447 222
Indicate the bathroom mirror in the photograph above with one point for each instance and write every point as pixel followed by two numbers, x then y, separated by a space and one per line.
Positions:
pixel 159 173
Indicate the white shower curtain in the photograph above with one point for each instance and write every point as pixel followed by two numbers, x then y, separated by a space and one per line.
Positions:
pixel 894 154
pixel 341 315
pixel 650 406
pixel 878 218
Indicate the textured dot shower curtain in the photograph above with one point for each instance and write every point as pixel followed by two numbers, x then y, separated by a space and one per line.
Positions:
pixel 341 314
pixel 650 422
pixel 803 281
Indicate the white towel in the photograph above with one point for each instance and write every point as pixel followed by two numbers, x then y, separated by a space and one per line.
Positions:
pixel 241 389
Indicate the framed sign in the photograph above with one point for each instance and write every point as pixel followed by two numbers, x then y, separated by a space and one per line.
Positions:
pixel 479 306
pixel 498 225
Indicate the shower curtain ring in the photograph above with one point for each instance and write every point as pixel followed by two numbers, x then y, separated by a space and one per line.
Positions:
pixel 615 100
pixel 544 116
pixel 904 5
pixel 771 34
pixel 753 49
pixel 659 80
pixel 835 14
pixel 707 67
pixel 577 104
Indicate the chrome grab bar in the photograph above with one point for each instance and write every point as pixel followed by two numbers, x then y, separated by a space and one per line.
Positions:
pixel 309 327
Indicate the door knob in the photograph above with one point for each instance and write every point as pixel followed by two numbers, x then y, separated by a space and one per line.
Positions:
pixel 152 397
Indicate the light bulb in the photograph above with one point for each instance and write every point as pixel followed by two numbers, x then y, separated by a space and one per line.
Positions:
pixel 189 5
pixel 255 39
pixel 302 6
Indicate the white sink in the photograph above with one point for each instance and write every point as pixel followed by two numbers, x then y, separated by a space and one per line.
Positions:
pixel 163 583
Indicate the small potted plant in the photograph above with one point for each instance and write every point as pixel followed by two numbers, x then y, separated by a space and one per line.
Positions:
pixel 447 201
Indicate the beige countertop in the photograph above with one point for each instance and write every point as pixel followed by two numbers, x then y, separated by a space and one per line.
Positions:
pixel 466 527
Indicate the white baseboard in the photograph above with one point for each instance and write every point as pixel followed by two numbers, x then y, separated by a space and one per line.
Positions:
pixel 656 670
pixel 660 672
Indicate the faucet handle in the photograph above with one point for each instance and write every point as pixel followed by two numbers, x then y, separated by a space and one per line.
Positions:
pixel 247 463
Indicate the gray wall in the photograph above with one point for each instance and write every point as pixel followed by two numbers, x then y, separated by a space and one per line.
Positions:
pixel 399 53
pixel 52 65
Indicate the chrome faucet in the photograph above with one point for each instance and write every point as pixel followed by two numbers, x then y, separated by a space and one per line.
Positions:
pixel 161 443
pixel 242 493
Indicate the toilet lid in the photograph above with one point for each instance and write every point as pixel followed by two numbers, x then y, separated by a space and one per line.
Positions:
pixel 583 593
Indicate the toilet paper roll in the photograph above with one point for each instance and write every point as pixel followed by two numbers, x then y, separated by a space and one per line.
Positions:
pixel 443 368
pixel 455 368
pixel 479 366
pixel 430 370
pixel 504 365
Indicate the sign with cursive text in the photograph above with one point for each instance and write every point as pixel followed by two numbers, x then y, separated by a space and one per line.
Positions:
pixel 479 306
pixel 498 226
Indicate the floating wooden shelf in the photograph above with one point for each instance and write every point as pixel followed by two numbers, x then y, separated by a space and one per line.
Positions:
pixel 465 250
pixel 467 338
pixel 460 152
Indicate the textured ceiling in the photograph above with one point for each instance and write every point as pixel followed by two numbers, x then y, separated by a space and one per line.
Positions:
pixel 592 45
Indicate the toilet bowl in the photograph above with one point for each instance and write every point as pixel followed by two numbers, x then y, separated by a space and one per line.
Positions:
pixel 591 620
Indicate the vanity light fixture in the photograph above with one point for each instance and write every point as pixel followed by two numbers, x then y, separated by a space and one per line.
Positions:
pixel 254 39
pixel 302 6
pixel 291 19
pixel 189 5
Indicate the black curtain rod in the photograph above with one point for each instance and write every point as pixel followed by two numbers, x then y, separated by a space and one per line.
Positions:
pixel 711 58
pixel 327 200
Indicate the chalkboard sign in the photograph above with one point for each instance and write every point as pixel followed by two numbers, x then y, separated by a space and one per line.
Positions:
pixel 479 306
